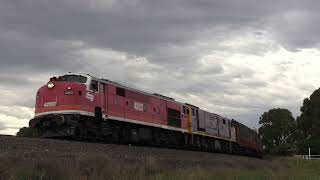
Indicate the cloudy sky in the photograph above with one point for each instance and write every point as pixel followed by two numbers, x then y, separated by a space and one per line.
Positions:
pixel 237 58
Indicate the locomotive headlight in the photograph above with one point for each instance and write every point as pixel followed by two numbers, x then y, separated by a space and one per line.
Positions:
pixel 50 85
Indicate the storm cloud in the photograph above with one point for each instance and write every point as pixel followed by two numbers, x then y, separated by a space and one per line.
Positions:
pixel 235 58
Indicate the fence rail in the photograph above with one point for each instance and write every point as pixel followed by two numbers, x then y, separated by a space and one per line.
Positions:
pixel 308 157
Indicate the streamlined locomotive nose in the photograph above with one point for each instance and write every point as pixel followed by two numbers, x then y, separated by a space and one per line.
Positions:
pixel 61 94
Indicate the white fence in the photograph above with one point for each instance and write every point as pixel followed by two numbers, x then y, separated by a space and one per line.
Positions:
pixel 308 157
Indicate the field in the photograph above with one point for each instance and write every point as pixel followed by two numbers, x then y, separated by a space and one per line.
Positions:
pixel 25 158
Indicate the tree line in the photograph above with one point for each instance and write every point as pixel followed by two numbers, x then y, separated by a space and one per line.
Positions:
pixel 282 134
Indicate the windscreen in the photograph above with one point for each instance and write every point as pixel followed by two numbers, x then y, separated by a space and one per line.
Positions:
pixel 73 78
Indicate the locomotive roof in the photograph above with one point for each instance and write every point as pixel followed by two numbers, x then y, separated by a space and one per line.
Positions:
pixel 159 96
pixel 137 90
pixel 154 95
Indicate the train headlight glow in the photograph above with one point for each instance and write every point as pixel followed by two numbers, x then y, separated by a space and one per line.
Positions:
pixel 50 85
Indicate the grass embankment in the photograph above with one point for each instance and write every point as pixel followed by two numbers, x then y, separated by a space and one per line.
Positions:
pixel 105 168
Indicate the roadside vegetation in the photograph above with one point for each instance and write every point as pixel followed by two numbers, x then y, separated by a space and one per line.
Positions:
pixel 282 134
pixel 102 167
pixel 26 132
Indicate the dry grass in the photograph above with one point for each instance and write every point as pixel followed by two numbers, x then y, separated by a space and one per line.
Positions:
pixel 103 167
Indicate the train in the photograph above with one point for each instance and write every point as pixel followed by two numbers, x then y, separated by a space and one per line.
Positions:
pixel 83 107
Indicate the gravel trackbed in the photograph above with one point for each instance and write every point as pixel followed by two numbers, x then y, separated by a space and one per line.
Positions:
pixel 46 149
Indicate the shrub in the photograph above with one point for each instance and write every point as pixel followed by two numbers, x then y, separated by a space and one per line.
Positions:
pixel 313 144
pixel 27 132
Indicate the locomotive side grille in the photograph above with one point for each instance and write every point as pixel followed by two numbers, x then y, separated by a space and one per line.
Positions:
pixel 174 118
pixel 137 96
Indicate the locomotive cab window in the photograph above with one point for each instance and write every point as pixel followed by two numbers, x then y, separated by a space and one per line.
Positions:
pixel 94 86
pixel 120 92
pixel 223 121
pixel 73 78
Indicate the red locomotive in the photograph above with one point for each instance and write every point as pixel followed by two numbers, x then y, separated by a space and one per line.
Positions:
pixel 88 108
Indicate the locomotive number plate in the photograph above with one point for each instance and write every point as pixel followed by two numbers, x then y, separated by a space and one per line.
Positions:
pixel 138 106
pixel 50 104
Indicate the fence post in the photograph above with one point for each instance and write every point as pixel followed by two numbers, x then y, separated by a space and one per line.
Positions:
pixel 309 153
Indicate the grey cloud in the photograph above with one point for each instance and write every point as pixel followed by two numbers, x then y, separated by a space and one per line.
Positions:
pixel 254 83
pixel 144 28
pixel 140 27
pixel 297 28
pixel 45 37
pixel 212 70
pixel 22 53
pixel 13 80
pixel 2 126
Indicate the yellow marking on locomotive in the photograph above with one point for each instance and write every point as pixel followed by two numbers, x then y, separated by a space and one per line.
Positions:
pixel 189 119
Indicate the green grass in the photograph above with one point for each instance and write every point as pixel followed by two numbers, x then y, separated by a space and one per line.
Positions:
pixel 102 167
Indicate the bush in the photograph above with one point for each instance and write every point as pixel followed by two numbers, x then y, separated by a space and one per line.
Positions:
pixel 313 144
pixel 282 149
pixel 27 132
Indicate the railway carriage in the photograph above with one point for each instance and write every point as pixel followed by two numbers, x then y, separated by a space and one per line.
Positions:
pixel 87 108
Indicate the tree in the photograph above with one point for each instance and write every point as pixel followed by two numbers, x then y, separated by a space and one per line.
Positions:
pixel 309 123
pixel 278 131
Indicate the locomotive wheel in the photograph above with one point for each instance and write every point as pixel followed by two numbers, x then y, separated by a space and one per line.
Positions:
pixel 156 138
pixel 77 134
pixel 115 135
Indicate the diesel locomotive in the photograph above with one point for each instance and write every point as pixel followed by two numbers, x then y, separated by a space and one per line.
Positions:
pixel 83 107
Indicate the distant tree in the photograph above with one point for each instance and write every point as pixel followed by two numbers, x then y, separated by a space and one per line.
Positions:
pixel 26 132
pixel 309 123
pixel 277 130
